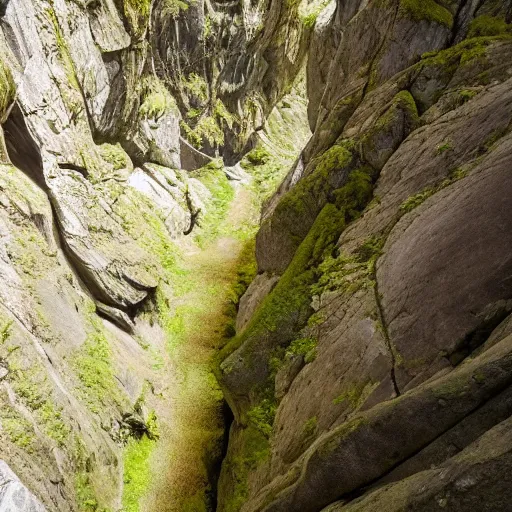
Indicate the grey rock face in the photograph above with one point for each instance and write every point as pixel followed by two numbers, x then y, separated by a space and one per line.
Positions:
pixel 414 292
pixel 232 54
pixel 14 496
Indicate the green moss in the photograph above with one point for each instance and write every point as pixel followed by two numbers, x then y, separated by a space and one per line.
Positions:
pixel 445 146
pixel 356 394
pixel 266 171
pixel 309 427
pixel 349 272
pixel 18 430
pixel 30 252
pixel 215 180
pixel 414 201
pixel 335 158
pixel 196 86
pixel 451 389
pixel 209 122
pixel 464 53
pixel 115 155
pixel 308 13
pixel 222 114
pixel 207 128
pixel 255 449
pixel 292 293
pixel 7 87
pixel 339 434
pixel 66 60
pixel 488 26
pixel 428 10
pixel 93 366
pixel 156 100
pixel 402 106
pixel 467 94
pixel 137 474
pixel 305 347
pixel 261 417
pixel 174 7
pixel 137 13
pixel 5 330
pixel 86 496
pixel 296 210
pixel 258 156
pixel 33 391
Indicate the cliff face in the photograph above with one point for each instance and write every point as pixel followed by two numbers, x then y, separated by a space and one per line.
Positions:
pixel 375 373
pixel 94 202
pixel 372 364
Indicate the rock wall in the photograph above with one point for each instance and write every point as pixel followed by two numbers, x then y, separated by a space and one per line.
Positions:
pixel 374 372
pixel 94 198
pixel 372 364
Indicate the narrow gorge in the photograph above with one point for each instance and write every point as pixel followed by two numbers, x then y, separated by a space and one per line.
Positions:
pixel 255 255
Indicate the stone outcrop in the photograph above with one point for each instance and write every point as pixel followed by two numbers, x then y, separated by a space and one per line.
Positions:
pixel 384 268
pixel 14 495
pixel 97 186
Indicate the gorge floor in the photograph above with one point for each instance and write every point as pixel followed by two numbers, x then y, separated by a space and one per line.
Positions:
pixel 193 429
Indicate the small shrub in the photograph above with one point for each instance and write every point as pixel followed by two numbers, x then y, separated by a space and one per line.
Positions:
pixel 446 146
pixel 488 26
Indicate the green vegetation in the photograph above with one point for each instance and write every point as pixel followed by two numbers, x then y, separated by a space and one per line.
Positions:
pixel 292 293
pixel 214 178
pixel 254 449
pixel 93 366
pixel 488 26
pixel 445 146
pixel 69 88
pixel 137 13
pixel 18 430
pixel 349 272
pixel 284 311
pixel 174 7
pixel 414 201
pixel 196 86
pixel 7 87
pixel 311 11
pixel 115 155
pixel 305 347
pixel 261 417
pixel 34 393
pixel 466 52
pixel 208 127
pixel 266 172
pixel 5 330
pixel 137 472
pixel 427 10
pixel 86 497
pixel 309 428
pixel 156 100
pixel 402 106
pixel 140 6
pixel 467 94
pixel 355 395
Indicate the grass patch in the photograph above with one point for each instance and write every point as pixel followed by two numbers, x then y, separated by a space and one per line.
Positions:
pixel 137 472
pixel 213 177
pixel 93 366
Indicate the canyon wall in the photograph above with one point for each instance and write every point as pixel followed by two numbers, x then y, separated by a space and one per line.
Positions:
pixel 105 107
pixel 374 372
